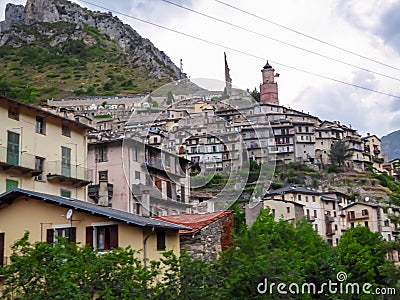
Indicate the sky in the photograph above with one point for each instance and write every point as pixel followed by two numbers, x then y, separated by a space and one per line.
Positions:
pixel 368 28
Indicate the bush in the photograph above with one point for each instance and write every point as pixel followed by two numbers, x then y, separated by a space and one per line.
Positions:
pixel 333 168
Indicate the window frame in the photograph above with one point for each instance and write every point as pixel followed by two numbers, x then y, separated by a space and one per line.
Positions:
pixel 53 232
pixel 65 130
pixel 110 241
pixel 40 125
pixel 161 240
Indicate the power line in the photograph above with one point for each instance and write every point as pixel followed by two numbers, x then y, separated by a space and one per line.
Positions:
pixel 279 41
pixel 306 35
pixel 239 51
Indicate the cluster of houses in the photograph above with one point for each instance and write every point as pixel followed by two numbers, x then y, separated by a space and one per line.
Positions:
pixel 116 171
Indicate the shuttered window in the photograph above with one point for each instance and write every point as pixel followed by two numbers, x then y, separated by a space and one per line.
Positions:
pixel 102 237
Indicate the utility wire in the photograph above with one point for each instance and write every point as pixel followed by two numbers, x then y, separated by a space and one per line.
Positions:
pixel 239 51
pixel 279 41
pixel 305 35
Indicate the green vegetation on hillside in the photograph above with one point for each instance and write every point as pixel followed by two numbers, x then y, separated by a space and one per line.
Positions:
pixel 93 65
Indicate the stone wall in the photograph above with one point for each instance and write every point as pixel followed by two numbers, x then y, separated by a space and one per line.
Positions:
pixel 209 241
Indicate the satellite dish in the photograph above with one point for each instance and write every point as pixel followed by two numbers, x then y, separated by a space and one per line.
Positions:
pixel 366 199
pixel 69 214
pixel 136 182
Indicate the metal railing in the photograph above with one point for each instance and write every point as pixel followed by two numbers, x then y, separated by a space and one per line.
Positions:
pixel 71 171
pixel 19 159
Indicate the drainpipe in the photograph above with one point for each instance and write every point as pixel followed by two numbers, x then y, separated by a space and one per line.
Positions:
pixel 145 244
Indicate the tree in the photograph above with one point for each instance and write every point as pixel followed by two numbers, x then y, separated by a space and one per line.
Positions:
pixel 170 98
pixel 362 255
pixel 64 270
pixel 256 95
pixel 339 153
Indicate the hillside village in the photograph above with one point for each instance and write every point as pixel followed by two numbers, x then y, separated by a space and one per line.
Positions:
pixel 166 170
pixel 129 154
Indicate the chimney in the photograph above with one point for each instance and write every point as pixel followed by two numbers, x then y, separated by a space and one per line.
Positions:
pixel 103 189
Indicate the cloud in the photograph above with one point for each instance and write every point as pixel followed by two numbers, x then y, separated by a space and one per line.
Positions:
pixel 365 111
pixel 380 18
pixel 388 28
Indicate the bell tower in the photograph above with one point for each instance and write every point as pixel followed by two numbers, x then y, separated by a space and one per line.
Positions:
pixel 269 88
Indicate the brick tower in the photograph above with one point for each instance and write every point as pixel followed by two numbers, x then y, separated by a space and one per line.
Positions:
pixel 269 88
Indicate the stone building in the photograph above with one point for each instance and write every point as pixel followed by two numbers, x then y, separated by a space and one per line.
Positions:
pixel 210 233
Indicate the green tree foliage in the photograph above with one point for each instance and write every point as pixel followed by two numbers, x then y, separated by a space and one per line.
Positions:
pixel 339 153
pixel 277 251
pixel 255 94
pixel 65 271
pixel 362 255
pixel 170 98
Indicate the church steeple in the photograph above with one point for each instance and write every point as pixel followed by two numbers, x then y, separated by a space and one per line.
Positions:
pixel 228 79
pixel 269 88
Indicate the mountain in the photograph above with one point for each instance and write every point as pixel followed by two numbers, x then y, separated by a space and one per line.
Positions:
pixel 55 48
pixel 391 145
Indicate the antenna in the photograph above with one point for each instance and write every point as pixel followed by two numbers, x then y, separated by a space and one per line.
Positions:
pixel 69 214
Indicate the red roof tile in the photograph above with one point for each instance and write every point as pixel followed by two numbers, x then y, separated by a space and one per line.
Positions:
pixel 195 221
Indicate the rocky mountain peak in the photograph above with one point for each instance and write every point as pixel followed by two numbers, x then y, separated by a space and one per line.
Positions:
pixel 51 11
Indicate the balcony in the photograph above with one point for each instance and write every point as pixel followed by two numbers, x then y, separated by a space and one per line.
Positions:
pixel 329 219
pixel 157 166
pixel 75 175
pixel 93 191
pixel 21 161
pixel 310 218
pixel 357 216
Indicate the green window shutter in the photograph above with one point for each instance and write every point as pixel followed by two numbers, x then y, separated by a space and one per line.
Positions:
pixel 66 193
pixel 13 148
pixel 10 184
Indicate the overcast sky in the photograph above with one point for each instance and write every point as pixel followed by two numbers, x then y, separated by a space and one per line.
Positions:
pixel 370 28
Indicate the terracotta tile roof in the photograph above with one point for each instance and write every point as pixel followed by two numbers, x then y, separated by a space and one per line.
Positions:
pixel 194 221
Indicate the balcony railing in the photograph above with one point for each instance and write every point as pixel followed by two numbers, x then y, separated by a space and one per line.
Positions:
pixel 358 216
pixel 63 172
pixel 329 219
pixel 21 160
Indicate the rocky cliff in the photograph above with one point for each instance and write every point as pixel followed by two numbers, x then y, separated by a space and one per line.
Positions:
pixel 53 24
pixel 391 145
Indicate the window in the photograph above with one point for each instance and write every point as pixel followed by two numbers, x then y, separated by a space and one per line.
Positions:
pixel 39 163
pixel 40 125
pixel 137 175
pixel 65 130
pixel 101 153
pixel 13 148
pixel 364 212
pixel 13 112
pixel 66 232
pixel 315 213
pixel 102 237
pixel 65 193
pixel 352 224
pixel 10 184
pixel 273 212
pixel 288 209
pixel 103 176
pixel 306 198
pixel 313 198
pixel 299 197
pixel 386 223
pixel 65 161
pixel 160 240
pixel 366 224
pixel 316 227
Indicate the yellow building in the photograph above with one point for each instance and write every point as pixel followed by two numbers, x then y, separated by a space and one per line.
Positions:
pixel 41 151
pixel 47 216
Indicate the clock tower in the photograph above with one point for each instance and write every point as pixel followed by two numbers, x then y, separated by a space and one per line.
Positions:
pixel 269 88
